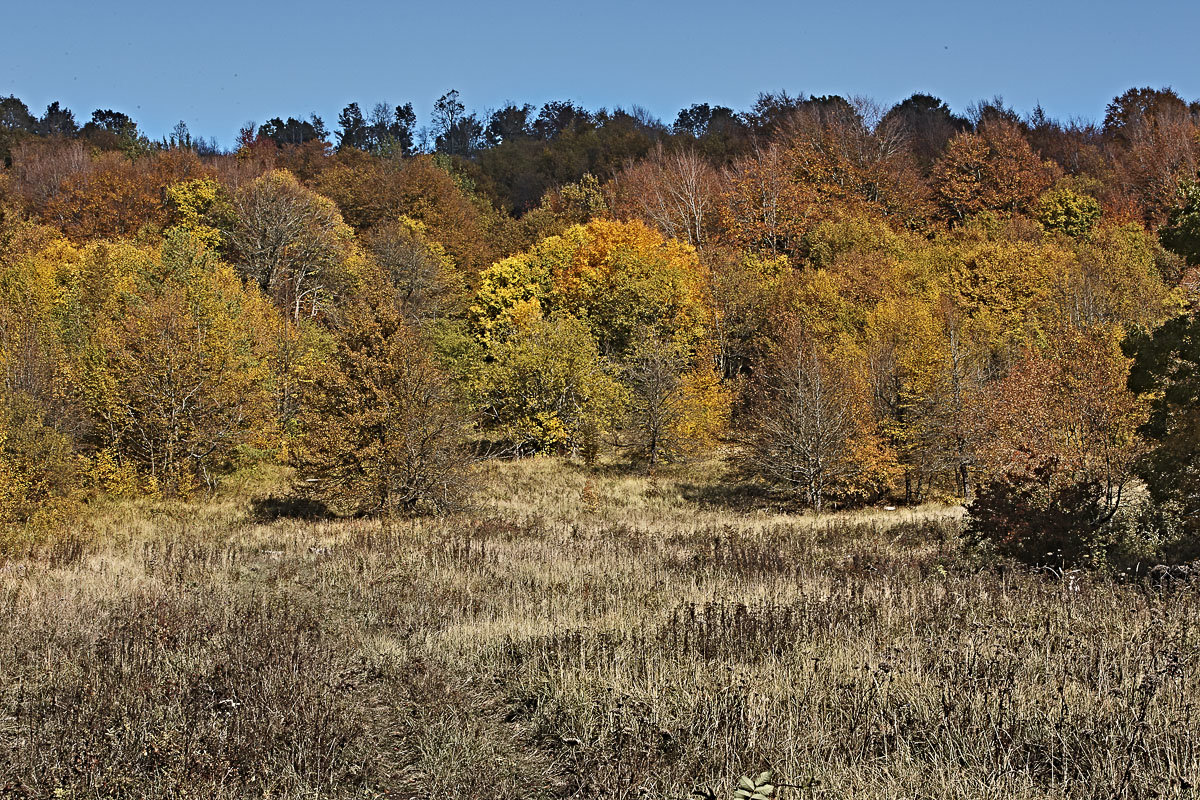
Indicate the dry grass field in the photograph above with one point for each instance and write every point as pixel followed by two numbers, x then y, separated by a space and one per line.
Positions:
pixel 579 634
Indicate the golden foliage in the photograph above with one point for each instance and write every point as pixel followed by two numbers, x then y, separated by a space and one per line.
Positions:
pixel 616 276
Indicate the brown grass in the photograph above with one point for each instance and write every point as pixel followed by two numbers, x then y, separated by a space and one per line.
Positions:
pixel 580 633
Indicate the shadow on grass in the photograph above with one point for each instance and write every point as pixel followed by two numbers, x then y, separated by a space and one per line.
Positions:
pixel 736 495
pixel 269 509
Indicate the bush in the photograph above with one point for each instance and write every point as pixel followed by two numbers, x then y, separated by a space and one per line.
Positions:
pixel 1040 516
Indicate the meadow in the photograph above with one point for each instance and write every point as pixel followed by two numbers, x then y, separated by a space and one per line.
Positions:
pixel 579 632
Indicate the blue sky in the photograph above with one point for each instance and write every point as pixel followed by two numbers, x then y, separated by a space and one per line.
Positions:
pixel 218 64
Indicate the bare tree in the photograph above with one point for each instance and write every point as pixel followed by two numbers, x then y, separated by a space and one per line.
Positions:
pixel 41 165
pixel 423 275
pixel 804 425
pixel 291 242
pixel 677 191
pixel 654 375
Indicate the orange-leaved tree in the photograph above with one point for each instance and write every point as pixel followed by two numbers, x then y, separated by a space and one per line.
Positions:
pixel 385 430
pixel 993 169
pixel 1058 449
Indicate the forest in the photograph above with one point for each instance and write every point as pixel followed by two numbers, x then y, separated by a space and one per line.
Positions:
pixel 852 305
pixel 819 449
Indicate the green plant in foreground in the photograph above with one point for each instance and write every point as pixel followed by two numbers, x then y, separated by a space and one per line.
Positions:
pixel 760 788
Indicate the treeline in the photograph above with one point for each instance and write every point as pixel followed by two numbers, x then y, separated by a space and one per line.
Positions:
pixel 852 304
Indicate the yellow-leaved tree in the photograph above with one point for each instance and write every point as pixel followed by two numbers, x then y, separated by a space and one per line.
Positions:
pixel 547 389
pixel 618 277
pixel 39 420
pixel 169 367
pixel 677 403
pixel 602 300
pixel 201 207
pixel 426 280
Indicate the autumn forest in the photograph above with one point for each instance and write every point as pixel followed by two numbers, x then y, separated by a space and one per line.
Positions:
pixel 855 304
pixel 731 340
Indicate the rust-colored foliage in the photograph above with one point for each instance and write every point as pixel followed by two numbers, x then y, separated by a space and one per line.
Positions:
pixel 370 191
pixel 993 169
pixel 676 191
pixel 114 197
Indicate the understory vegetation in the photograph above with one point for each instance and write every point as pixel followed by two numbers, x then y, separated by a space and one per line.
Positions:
pixel 580 632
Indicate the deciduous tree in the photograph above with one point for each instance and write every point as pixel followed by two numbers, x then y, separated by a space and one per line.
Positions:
pixel 810 430
pixel 677 405
pixel 1166 369
pixel 548 390
pixel 678 192
pixel 185 386
pixel 620 277
pixel 423 275
pixel 291 243
pixel 993 169
pixel 385 431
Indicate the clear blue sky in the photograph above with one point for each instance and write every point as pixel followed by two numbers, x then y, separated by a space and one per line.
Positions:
pixel 218 64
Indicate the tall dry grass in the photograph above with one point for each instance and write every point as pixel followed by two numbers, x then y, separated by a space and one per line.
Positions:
pixel 580 633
